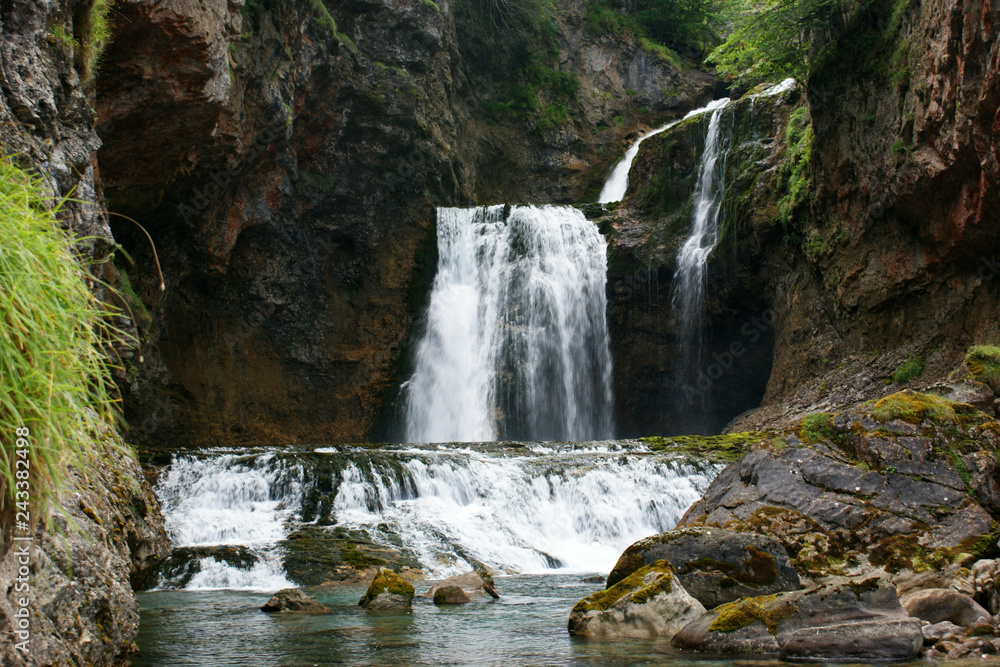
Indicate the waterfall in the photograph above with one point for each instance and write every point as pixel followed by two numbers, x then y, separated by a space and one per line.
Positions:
pixel 617 183
pixel 516 508
pixel 516 343
pixel 692 258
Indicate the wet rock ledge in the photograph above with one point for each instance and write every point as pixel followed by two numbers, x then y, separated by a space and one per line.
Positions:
pixel 868 534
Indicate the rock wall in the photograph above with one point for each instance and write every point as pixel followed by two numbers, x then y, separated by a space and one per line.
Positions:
pixel 102 541
pixel 288 173
pixel 865 227
pixel 106 535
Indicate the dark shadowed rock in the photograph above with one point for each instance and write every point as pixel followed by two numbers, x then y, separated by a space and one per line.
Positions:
pixel 881 640
pixel 650 602
pixel 294 600
pixel 714 565
pixel 838 621
pixel 941 604
pixel 388 591
pixel 450 595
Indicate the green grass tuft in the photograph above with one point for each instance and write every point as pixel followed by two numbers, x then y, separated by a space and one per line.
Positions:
pixel 908 370
pixel 54 373
pixel 92 31
pixel 983 362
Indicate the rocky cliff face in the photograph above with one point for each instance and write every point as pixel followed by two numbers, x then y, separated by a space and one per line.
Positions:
pixel 863 226
pixel 107 534
pixel 288 172
pixel 106 539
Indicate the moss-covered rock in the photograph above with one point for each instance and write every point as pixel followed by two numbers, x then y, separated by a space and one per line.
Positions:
pixel 714 565
pixel 983 362
pixel 388 591
pixel 649 602
pixel 846 618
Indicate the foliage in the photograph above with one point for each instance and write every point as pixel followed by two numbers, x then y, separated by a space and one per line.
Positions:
pixel 662 26
pixel 914 407
pixel 908 370
pixel 93 33
pixel 793 176
pixel 817 427
pixel 983 362
pixel 775 39
pixel 137 308
pixel 54 373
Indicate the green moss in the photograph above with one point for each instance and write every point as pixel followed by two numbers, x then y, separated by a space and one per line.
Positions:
pixel 354 557
pixel 387 581
pixel 136 306
pixel 915 407
pixel 983 362
pixel 908 370
pixel 630 561
pixel 869 585
pixel 817 428
pixel 747 611
pixel 631 585
pixel 715 448
pixel 794 176
pixel 92 32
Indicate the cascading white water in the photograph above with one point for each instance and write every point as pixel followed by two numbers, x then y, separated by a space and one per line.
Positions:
pixel 229 500
pixel 516 343
pixel 692 258
pixel 616 184
pixel 517 509
pixel 574 510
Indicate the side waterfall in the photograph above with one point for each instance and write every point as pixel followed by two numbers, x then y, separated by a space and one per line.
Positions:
pixel 692 258
pixel 516 345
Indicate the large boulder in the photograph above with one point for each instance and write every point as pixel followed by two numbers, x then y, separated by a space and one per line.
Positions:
pixel 842 620
pixel 896 486
pixel 294 600
pixel 388 591
pixel 650 602
pixel 714 565
pixel 941 604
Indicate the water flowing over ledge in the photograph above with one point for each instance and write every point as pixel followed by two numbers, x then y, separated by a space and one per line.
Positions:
pixel 518 508
pixel 516 343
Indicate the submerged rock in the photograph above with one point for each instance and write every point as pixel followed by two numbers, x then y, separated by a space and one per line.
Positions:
pixel 650 602
pixel 845 620
pixel 450 595
pixel 388 591
pixel 941 604
pixel 714 565
pixel 294 600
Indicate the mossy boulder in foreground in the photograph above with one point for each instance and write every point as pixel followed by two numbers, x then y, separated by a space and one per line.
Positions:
pixel 843 620
pixel 388 591
pixel 714 565
pixel 649 602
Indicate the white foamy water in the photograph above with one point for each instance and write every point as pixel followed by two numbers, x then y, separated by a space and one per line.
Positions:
pixel 692 258
pixel 230 501
pixel 568 512
pixel 516 343
pixel 616 184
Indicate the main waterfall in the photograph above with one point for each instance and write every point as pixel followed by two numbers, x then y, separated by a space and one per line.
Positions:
pixel 516 343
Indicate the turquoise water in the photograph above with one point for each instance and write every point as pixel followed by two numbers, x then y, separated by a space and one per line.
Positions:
pixel 527 626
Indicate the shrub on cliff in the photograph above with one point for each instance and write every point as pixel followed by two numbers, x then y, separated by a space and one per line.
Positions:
pixel 53 372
